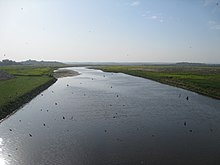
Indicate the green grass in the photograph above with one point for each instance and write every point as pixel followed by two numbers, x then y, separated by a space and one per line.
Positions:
pixel 28 82
pixel 27 70
pixel 17 87
pixel 203 80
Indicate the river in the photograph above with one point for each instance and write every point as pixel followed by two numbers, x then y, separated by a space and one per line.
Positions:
pixel 112 118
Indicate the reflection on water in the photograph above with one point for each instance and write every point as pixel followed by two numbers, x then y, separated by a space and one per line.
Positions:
pixel 106 118
pixel 2 160
pixel 1 140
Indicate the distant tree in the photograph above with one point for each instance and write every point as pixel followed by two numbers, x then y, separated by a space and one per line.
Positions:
pixel 8 62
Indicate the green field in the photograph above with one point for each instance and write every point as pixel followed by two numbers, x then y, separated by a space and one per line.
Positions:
pixel 204 80
pixel 28 82
pixel 27 70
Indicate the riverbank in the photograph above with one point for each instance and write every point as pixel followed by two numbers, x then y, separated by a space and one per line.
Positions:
pixel 202 80
pixel 11 106
pixel 25 83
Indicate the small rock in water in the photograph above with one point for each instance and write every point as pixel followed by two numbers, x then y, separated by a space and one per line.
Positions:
pixel 55 103
pixel 185 123
pixel 63 117
pixel 30 135
pixel 44 124
pixel 67 85
pixel 105 130
pixel 187 98
pixel 190 130
pixel 10 129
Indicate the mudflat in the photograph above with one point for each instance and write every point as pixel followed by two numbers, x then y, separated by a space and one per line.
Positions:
pixel 64 73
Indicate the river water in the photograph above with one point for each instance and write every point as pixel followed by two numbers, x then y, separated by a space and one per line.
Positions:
pixel 112 118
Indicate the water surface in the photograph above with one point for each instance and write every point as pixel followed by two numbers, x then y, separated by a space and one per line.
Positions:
pixel 112 118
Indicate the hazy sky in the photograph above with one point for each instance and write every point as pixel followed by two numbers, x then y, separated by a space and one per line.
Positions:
pixel 110 30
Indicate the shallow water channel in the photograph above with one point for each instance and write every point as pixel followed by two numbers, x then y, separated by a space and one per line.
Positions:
pixel 112 118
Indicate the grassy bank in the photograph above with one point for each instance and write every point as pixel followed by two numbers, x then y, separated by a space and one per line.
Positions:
pixel 28 82
pixel 203 80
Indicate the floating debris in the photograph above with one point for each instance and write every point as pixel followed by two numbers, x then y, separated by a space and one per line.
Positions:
pixel 63 118
pixel 55 103
pixel 190 130
pixel 118 139
pixel 184 123
pixel 30 135
pixel 44 124
pixel 67 85
pixel 105 130
pixel 10 129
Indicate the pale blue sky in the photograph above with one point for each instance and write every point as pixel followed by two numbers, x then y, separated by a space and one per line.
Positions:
pixel 110 30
